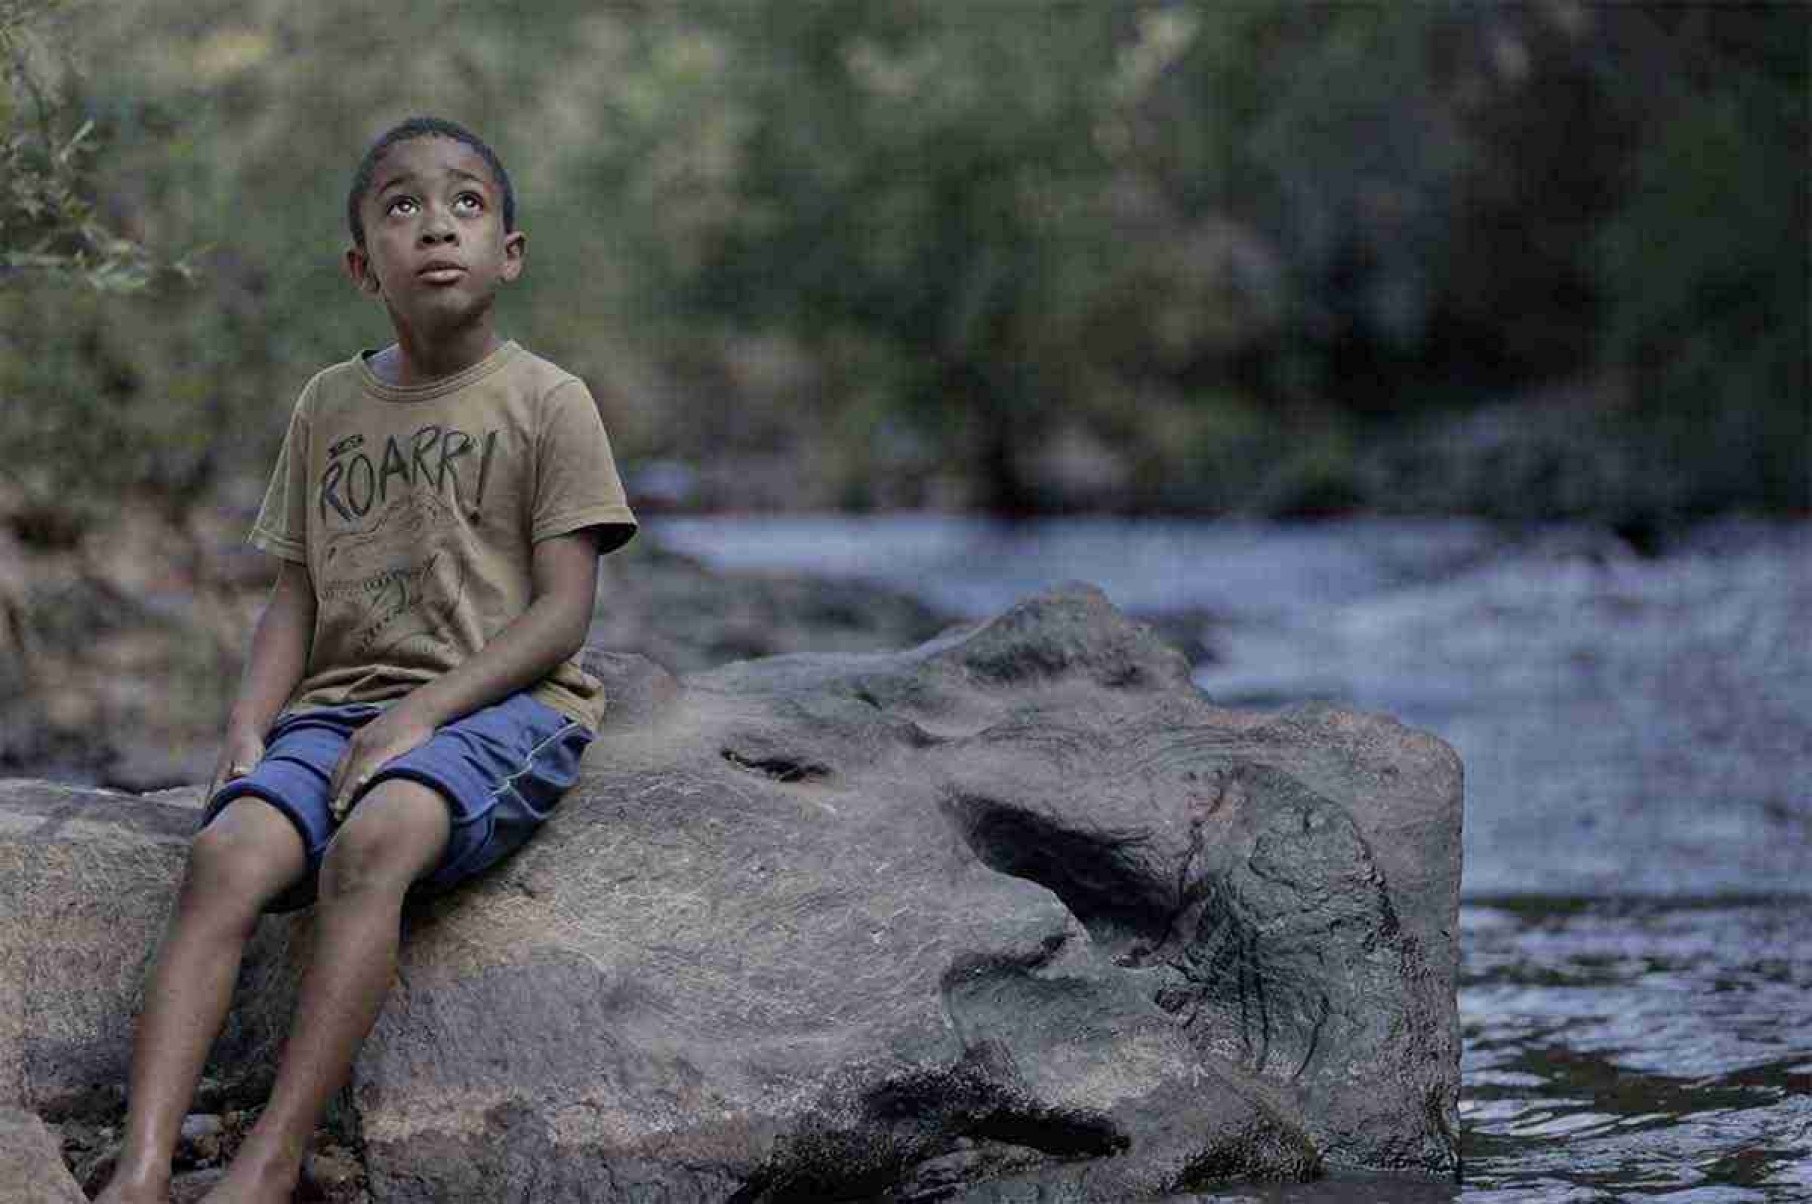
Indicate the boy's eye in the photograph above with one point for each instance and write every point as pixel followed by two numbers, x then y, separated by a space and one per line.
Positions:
pixel 401 204
pixel 468 200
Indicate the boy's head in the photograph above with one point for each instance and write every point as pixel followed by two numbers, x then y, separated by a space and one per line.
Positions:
pixel 423 127
pixel 433 221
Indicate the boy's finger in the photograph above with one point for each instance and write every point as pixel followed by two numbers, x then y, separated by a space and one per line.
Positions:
pixel 342 797
pixel 336 782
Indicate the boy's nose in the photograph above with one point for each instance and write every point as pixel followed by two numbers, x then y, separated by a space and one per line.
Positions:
pixel 439 228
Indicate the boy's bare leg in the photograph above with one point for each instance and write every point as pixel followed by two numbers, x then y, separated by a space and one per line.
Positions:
pixel 395 834
pixel 239 862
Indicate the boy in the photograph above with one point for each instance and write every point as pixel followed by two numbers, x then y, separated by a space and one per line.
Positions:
pixel 438 508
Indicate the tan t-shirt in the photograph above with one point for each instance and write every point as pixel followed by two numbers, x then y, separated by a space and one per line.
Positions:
pixel 416 507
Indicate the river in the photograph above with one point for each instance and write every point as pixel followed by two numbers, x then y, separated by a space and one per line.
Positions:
pixel 1636 954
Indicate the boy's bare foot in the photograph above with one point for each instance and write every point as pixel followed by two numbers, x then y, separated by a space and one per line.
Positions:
pixel 128 1188
pixel 250 1180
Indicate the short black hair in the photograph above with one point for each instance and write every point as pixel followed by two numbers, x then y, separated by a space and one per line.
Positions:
pixel 424 127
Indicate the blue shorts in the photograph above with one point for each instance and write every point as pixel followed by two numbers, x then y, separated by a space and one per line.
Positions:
pixel 500 769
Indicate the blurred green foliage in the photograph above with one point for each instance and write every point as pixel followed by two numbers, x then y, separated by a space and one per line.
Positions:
pixel 1703 269
pixel 47 220
pixel 1031 255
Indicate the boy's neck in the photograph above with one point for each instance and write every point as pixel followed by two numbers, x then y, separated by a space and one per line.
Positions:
pixel 413 361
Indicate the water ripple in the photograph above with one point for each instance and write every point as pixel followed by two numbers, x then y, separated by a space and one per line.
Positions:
pixel 1621 1049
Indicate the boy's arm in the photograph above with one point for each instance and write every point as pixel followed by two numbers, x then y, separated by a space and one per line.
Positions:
pixel 565 576
pixel 273 665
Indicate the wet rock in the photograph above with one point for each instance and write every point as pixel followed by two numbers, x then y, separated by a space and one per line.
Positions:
pixel 1014 911
pixel 31 1167
pixel 191 1187
pixel 1190 631
pixel 201 1137
pixel 688 617
pixel 333 1174
pixel 90 1149
pixel 1016 904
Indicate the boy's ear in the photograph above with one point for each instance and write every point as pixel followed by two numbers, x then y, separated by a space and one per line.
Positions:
pixel 358 270
pixel 515 247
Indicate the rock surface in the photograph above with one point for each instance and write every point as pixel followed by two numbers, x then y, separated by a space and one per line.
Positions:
pixel 687 617
pixel 86 882
pixel 1013 914
pixel 31 1170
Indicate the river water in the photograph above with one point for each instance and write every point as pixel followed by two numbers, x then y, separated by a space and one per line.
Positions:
pixel 1636 956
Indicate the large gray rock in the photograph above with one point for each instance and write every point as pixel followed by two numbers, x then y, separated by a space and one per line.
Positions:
pixel 87 878
pixel 1015 910
pixel 1014 914
pixel 31 1170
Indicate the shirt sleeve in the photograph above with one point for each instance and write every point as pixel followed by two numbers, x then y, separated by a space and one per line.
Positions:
pixel 282 524
pixel 576 481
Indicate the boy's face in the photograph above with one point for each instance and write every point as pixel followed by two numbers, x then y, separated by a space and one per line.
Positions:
pixel 435 249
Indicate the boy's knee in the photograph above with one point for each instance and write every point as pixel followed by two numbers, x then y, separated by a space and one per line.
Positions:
pixel 395 834
pixel 245 857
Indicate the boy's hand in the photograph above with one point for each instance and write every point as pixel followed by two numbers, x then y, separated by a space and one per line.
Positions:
pixel 240 753
pixel 373 746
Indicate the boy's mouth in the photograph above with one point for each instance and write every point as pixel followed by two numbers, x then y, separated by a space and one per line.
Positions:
pixel 441 272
